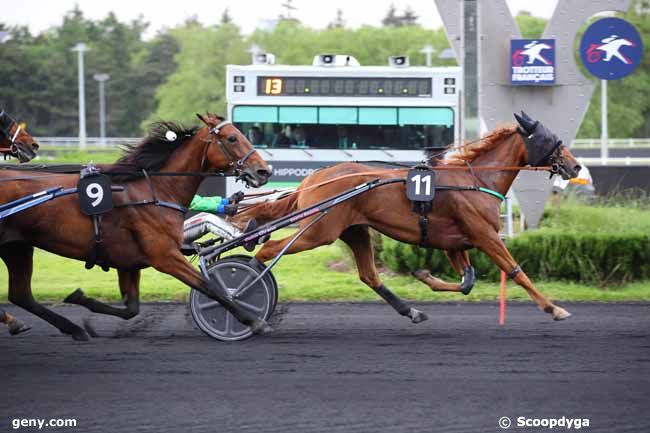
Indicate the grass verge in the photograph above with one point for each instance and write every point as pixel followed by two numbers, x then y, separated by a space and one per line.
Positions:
pixel 324 274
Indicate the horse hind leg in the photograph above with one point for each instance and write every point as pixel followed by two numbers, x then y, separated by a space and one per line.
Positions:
pixel 129 287
pixel 19 261
pixel 461 264
pixel 358 239
pixel 15 325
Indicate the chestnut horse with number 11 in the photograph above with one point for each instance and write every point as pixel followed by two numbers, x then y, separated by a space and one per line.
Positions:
pixel 459 220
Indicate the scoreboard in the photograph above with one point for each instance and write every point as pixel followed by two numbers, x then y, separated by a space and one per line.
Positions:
pixel 344 86
pixel 303 117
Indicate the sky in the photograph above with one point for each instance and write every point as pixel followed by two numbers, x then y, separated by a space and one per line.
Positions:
pixel 248 14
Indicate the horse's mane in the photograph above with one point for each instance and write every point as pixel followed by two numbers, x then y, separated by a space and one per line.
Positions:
pixel 151 153
pixel 470 152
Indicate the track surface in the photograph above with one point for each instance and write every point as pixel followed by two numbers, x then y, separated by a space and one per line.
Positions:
pixel 336 368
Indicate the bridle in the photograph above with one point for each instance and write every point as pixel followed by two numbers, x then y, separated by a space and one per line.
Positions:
pixel 236 165
pixel 5 127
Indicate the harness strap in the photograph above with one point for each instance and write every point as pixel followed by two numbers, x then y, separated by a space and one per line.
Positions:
pixel 492 192
pixel 13 139
pixel 177 207
pixel 471 188
pixel 424 229
pixel 422 208
pixel 97 256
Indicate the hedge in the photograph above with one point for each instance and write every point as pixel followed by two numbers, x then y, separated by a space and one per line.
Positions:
pixel 594 258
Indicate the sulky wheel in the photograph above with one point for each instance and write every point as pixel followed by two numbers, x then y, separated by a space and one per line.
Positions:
pixel 235 273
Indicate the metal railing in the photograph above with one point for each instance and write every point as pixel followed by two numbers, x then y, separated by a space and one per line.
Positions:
pixel 616 143
pixel 579 143
pixel 94 142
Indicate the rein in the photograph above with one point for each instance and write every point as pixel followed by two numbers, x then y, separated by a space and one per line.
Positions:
pixel 378 172
pixel 381 172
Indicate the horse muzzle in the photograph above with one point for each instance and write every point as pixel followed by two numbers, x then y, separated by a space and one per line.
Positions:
pixel 24 154
pixel 255 177
pixel 567 172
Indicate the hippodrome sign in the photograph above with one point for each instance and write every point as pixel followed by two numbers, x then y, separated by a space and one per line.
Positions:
pixel 611 48
pixel 532 61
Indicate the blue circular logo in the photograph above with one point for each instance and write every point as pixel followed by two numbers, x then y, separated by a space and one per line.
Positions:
pixel 611 48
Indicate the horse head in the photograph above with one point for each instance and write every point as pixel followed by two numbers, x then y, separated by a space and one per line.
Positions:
pixel 545 148
pixel 15 139
pixel 234 152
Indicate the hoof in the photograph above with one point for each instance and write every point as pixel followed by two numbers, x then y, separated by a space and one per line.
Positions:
pixel 560 313
pixel 421 274
pixel 261 327
pixel 89 328
pixel 17 327
pixel 74 297
pixel 79 335
pixel 417 316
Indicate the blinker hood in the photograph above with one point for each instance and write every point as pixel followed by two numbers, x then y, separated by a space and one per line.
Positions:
pixel 540 141
pixel 5 122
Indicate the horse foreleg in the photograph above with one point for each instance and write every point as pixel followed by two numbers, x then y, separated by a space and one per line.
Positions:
pixel 130 289
pixel 459 260
pixel 358 239
pixel 492 245
pixel 19 261
pixel 177 266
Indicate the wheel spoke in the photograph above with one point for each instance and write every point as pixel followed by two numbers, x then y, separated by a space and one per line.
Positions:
pixel 228 323
pixel 249 306
pixel 209 304
pixel 245 281
pixel 220 281
pixel 240 292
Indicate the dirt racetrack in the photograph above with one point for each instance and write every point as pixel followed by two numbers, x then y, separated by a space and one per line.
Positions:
pixel 336 368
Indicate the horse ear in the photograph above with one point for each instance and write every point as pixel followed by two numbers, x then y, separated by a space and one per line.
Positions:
pixel 202 119
pixel 526 125
pixel 527 117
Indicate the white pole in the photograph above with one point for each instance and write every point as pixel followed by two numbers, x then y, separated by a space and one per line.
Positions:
pixel 101 78
pixel 102 114
pixel 80 48
pixel 604 151
pixel 428 50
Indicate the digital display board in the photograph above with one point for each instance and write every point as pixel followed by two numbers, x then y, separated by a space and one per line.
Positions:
pixel 344 86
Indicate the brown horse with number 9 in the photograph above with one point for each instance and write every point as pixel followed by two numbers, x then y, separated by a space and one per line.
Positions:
pixel 137 232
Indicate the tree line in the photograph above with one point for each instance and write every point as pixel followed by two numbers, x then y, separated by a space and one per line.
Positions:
pixel 181 70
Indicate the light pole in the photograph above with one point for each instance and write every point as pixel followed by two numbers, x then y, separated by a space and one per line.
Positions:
pixel 80 48
pixel 101 78
pixel 428 51
pixel 604 151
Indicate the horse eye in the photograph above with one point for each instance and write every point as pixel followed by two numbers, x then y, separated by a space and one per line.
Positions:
pixel 232 139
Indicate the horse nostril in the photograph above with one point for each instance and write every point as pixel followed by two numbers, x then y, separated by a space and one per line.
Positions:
pixel 263 172
pixel 35 146
pixel 577 168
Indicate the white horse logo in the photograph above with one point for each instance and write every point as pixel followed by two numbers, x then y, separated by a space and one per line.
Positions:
pixel 612 48
pixel 533 52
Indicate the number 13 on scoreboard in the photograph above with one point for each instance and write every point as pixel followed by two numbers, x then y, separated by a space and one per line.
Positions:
pixel 273 86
